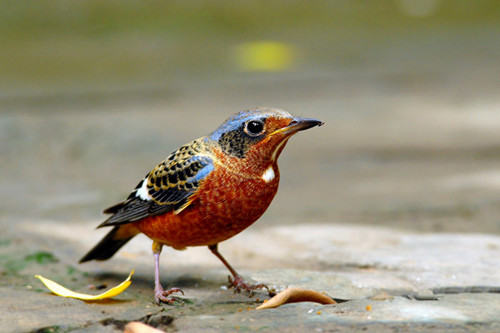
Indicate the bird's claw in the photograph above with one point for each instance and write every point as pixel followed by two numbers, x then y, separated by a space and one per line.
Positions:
pixel 161 295
pixel 239 284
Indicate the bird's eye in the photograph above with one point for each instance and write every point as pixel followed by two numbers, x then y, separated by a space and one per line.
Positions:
pixel 254 127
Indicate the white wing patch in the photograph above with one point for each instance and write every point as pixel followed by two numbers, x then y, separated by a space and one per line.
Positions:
pixel 142 192
pixel 268 175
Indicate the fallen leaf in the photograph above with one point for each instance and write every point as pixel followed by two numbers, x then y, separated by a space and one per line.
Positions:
pixel 65 292
pixel 138 327
pixel 293 295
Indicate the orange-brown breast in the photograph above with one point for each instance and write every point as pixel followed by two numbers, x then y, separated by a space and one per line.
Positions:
pixel 225 204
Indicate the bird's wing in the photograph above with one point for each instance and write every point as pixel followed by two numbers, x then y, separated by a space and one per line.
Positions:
pixel 170 186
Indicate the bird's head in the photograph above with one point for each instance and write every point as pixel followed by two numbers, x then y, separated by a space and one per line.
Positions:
pixel 259 134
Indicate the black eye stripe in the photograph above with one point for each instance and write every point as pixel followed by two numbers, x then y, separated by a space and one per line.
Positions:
pixel 236 142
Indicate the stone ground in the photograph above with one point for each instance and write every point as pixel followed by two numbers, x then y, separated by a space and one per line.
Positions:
pixel 395 199
pixel 388 280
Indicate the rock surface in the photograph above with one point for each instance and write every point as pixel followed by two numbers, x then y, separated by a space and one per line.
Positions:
pixel 386 278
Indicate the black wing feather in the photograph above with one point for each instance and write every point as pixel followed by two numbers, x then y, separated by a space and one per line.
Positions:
pixel 169 185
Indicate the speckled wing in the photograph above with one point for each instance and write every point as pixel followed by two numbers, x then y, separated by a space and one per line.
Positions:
pixel 170 186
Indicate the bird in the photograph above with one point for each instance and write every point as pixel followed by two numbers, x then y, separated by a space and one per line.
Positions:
pixel 205 192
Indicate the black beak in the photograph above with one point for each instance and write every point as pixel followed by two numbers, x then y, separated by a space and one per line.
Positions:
pixel 300 124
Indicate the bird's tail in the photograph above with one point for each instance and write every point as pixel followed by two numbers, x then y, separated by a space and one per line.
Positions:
pixel 112 242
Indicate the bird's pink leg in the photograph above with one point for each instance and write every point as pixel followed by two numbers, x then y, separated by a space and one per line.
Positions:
pixel 161 295
pixel 236 281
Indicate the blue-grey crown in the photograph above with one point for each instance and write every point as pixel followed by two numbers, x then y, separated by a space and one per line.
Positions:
pixel 237 120
pixel 231 136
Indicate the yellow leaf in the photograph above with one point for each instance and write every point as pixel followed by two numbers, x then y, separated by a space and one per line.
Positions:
pixel 59 290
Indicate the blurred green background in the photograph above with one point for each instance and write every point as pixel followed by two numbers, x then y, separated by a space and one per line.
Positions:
pixel 94 93
pixel 136 43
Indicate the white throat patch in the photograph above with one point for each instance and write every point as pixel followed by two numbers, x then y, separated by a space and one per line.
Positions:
pixel 268 175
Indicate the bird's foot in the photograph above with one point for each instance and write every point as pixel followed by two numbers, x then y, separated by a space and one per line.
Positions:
pixel 162 296
pixel 239 284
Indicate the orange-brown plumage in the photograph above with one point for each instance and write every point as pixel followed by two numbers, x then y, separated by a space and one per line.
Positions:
pixel 207 191
pixel 226 204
